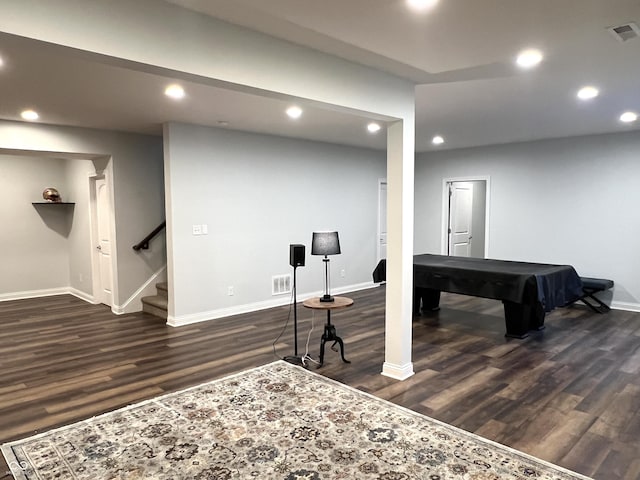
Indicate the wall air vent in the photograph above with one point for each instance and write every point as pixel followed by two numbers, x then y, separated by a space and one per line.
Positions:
pixel 626 32
pixel 281 284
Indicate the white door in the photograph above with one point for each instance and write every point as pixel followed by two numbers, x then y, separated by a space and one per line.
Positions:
pixel 103 213
pixel 382 220
pixel 460 217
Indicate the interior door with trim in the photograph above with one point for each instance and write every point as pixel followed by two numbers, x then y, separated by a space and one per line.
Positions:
pixel 460 218
pixel 103 211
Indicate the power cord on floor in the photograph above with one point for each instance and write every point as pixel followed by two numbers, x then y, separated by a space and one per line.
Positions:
pixel 306 356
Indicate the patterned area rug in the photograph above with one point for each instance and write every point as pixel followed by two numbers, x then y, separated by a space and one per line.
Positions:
pixel 278 421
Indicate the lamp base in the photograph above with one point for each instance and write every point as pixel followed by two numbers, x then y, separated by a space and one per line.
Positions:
pixel 326 298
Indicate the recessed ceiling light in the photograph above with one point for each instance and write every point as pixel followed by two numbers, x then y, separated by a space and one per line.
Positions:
pixel 587 93
pixel 30 115
pixel 373 127
pixel 529 58
pixel 628 117
pixel 422 4
pixel 294 112
pixel 437 140
pixel 174 91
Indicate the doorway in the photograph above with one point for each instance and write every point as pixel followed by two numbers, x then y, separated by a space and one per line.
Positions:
pixel 382 219
pixel 465 217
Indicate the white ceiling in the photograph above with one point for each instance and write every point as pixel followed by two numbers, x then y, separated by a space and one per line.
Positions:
pixel 460 55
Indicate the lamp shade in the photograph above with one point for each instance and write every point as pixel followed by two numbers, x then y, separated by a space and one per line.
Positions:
pixel 325 243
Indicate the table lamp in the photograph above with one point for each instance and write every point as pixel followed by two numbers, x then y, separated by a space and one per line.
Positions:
pixel 325 243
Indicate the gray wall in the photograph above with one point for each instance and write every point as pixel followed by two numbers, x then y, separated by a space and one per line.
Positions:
pixel 79 242
pixel 34 240
pixel 258 194
pixel 48 246
pixel 568 201
pixel 139 208
pixel 478 218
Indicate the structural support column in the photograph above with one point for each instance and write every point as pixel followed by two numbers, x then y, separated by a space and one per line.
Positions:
pixel 400 205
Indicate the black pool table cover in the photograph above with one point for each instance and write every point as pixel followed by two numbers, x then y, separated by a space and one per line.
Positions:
pixel 535 284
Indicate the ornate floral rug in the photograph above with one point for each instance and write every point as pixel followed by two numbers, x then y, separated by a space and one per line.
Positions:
pixel 278 421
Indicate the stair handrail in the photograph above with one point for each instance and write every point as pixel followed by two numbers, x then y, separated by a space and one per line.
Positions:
pixel 144 243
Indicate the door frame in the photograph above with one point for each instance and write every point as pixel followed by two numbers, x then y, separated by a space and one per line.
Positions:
pixel 381 181
pixel 93 226
pixel 444 239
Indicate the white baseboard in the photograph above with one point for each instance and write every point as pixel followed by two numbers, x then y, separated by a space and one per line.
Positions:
pixel 181 320
pixel 82 295
pixel 629 307
pixel 350 288
pixel 148 288
pixel 48 292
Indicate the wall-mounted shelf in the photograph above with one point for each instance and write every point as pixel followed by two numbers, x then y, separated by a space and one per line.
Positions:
pixel 53 203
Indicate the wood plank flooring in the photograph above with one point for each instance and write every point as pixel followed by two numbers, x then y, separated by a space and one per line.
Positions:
pixel 569 395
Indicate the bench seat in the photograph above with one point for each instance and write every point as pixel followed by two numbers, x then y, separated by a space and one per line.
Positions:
pixel 591 286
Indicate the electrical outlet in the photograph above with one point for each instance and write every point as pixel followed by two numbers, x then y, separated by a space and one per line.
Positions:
pixel 230 291
pixel 343 273
pixel 197 229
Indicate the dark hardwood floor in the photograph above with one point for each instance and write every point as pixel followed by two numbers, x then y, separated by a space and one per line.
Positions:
pixel 569 394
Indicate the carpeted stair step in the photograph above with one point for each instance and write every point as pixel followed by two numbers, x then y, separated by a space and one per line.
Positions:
pixel 163 289
pixel 155 305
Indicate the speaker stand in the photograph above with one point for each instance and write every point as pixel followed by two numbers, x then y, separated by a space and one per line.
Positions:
pixel 295 358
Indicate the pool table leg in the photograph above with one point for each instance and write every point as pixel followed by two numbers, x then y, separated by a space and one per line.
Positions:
pixel 429 298
pixel 520 318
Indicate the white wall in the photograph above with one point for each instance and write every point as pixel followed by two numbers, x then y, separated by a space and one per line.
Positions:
pixel 567 201
pixel 135 172
pixel 258 194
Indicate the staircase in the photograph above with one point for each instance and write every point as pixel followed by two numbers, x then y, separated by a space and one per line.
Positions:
pixel 157 304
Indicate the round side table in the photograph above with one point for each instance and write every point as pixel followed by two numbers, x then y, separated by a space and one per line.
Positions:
pixel 329 329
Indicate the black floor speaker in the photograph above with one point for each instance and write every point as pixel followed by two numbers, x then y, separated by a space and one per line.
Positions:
pixel 296 255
